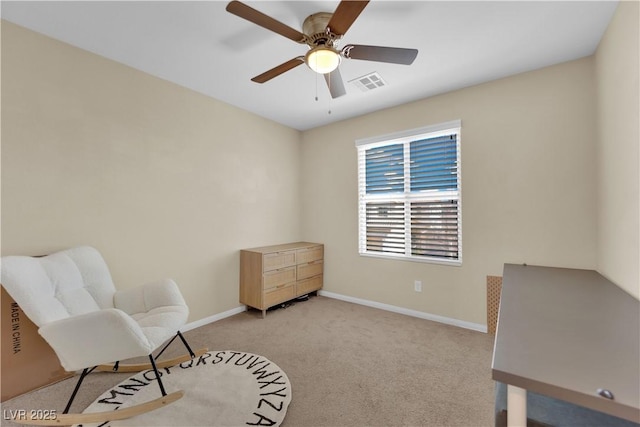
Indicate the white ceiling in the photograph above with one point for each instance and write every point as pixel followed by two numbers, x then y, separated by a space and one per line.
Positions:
pixel 202 47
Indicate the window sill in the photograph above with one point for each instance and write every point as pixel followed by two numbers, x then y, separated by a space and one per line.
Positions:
pixel 451 263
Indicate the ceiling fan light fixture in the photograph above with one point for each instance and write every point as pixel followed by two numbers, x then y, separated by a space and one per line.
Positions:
pixel 322 59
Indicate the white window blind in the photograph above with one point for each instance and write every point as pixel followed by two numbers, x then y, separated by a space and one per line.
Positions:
pixel 409 194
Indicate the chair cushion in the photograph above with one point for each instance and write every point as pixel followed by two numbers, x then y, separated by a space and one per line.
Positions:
pixel 96 278
pixel 77 301
pixel 28 283
pixel 156 304
pixel 71 297
pixel 66 283
pixel 166 317
pixel 160 324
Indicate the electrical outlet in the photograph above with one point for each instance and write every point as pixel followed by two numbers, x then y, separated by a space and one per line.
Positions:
pixel 417 286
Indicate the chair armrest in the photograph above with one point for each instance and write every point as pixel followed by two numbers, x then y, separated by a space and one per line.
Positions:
pixel 145 298
pixel 95 338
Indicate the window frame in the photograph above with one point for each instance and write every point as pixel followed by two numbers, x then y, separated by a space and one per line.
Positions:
pixel 405 138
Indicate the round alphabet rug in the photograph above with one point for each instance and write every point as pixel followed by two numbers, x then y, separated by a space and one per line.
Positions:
pixel 221 388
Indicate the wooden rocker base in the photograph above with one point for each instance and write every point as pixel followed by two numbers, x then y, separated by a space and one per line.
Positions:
pixel 98 417
pixel 137 367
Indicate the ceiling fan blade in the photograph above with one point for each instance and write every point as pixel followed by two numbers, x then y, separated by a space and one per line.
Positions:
pixel 265 21
pixel 334 81
pixel 394 55
pixel 276 71
pixel 345 15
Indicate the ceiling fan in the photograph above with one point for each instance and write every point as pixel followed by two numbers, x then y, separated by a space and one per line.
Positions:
pixel 321 32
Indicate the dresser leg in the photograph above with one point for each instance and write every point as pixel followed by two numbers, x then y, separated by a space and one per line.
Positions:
pixel 264 313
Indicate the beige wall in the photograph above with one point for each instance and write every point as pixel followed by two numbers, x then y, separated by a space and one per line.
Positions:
pixel 165 182
pixel 618 190
pixel 528 160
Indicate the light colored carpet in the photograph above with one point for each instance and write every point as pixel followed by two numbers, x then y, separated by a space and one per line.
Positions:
pixel 349 365
pixel 222 388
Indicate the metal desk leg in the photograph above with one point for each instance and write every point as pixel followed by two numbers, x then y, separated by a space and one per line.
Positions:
pixel 516 406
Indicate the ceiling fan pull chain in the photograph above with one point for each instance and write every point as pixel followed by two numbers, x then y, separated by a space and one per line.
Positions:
pixel 329 112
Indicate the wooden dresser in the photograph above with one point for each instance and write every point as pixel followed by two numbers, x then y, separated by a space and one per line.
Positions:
pixel 271 275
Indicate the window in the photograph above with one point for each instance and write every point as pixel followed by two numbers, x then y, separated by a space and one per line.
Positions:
pixel 409 195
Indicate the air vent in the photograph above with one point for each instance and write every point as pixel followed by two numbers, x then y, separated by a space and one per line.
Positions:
pixel 369 82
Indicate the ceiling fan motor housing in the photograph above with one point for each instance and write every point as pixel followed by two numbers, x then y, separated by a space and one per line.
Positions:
pixel 315 28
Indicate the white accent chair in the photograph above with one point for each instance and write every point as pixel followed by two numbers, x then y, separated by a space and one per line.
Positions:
pixel 89 324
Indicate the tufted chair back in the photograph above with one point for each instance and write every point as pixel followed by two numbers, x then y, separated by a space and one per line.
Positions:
pixel 67 283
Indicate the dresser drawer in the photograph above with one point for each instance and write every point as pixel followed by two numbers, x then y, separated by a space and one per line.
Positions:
pixel 280 294
pixel 314 253
pixel 308 285
pixel 278 260
pixel 309 270
pixel 279 277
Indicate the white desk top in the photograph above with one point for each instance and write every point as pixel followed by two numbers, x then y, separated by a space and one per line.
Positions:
pixel 566 333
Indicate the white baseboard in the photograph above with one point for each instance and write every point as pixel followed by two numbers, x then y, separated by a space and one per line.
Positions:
pixel 408 312
pixel 387 307
pixel 214 318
